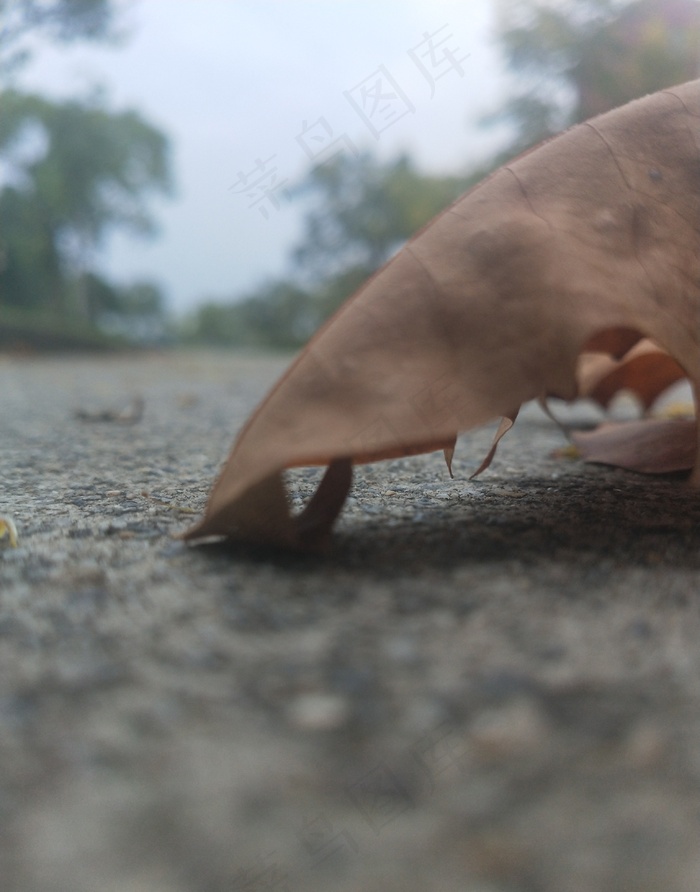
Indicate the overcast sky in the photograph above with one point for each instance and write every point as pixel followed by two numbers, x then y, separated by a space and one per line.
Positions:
pixel 251 92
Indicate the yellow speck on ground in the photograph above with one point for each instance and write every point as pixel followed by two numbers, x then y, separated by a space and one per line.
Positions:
pixel 570 452
pixel 8 532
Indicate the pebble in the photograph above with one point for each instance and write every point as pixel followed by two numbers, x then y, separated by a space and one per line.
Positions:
pixel 402 648
pixel 516 729
pixel 646 745
pixel 318 712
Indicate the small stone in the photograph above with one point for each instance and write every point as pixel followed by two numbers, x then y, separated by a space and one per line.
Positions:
pixel 318 712
pixel 646 745
pixel 402 648
pixel 513 730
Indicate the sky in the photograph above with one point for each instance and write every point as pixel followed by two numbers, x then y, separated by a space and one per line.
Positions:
pixel 253 92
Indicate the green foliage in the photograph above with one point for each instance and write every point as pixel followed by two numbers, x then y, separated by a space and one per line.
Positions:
pixel 579 58
pixel 97 168
pixel 98 297
pixel 59 20
pixel 136 312
pixel 63 20
pixel 30 265
pixel 74 171
pixel 70 173
pixel 40 330
pixel 279 315
pixel 363 210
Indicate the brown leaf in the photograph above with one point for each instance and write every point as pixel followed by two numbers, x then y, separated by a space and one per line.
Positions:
pixel 655 446
pixel 591 241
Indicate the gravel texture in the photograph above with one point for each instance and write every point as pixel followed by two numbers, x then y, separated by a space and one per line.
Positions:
pixel 488 685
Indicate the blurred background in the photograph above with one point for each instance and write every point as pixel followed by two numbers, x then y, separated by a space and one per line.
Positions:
pixel 226 172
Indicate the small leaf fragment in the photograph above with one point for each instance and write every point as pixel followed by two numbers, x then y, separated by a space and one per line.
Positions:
pixel 506 424
pixel 130 414
pixel 449 453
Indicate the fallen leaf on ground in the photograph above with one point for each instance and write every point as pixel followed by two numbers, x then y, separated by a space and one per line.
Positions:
pixel 588 244
pixel 651 446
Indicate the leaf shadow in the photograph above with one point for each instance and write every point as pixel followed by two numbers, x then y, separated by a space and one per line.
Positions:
pixel 614 516
pixel 581 519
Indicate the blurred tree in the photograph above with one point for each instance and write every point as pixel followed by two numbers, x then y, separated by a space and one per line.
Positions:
pixel 279 315
pixel 136 312
pixel 142 300
pixel 59 20
pixel 579 58
pixel 98 296
pixel 73 172
pixel 363 209
pixel 70 173
pixel 30 266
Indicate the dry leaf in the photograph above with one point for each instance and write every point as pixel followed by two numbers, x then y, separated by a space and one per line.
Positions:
pixel 654 446
pixel 590 242
pixel 131 414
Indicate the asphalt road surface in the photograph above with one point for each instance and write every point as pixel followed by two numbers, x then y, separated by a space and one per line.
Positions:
pixel 488 685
